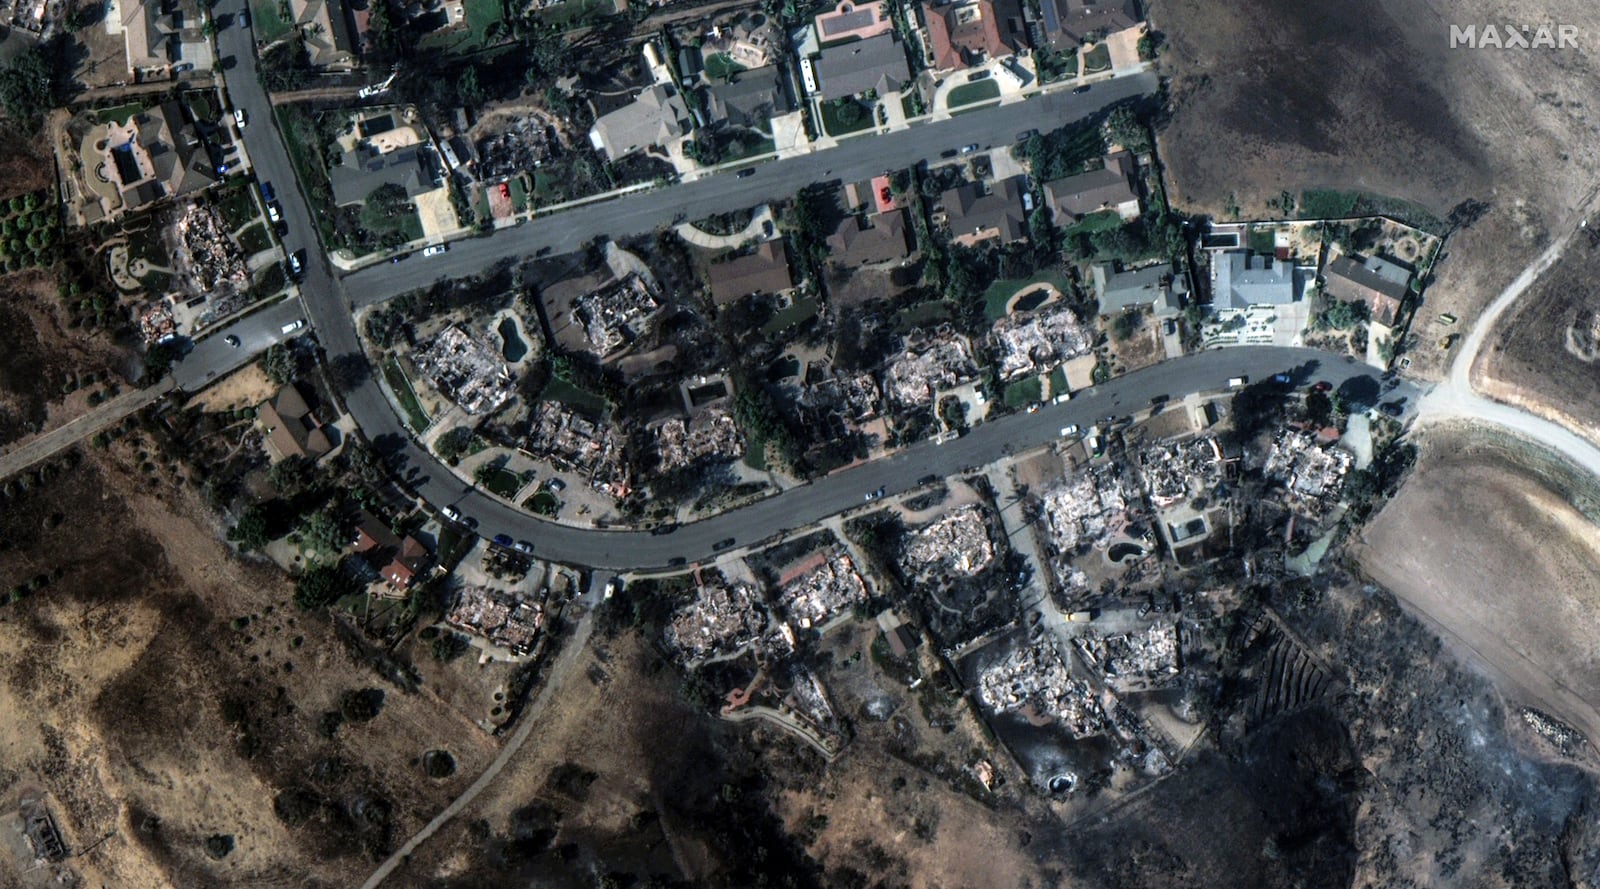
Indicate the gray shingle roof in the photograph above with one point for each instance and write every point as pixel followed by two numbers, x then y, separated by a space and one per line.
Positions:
pixel 1244 279
pixel 877 63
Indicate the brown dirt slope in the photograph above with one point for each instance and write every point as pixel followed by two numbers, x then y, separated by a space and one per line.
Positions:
pixel 165 693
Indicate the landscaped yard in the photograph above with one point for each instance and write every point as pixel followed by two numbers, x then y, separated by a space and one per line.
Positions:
pixel 414 415
pixel 839 120
pixel 575 12
pixel 237 206
pixel 268 21
pixel 968 93
pixel 543 503
pixel 255 239
pixel 922 314
pixel 1097 59
pixel 480 15
pixel 519 194
pixel 1261 241
pixel 1058 381
pixel 560 389
pixel 120 114
pixel 908 105
pixel 1000 292
pixel 1023 392
pixel 503 482
pixel 719 66
pixel 798 311
pixel 1103 221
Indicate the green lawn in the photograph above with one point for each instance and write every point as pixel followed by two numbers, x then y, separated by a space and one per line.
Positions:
pixel 1058 381
pixel 543 503
pixel 120 114
pixel 1262 241
pixel 504 483
pixel 747 147
pixel 719 66
pixel 834 126
pixel 799 311
pixel 1103 221
pixel 922 314
pixel 908 106
pixel 755 457
pixel 268 21
pixel 573 13
pixel 237 205
pixel 969 93
pixel 255 239
pixel 481 14
pixel 201 106
pixel 1097 59
pixel 415 417
pixel 560 389
pixel 1023 392
pixel 519 194
pixel 1000 292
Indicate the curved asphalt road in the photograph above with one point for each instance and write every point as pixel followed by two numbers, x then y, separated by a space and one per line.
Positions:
pixel 329 311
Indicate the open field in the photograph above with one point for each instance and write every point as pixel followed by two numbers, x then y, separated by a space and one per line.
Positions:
pixel 1374 99
pixel 1484 544
pixel 1542 355
pixel 166 693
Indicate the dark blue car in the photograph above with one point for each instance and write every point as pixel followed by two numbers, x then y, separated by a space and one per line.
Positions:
pixel 502 540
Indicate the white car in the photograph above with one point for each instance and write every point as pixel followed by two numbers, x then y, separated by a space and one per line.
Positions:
pixel 450 513
pixel 293 326
pixel 435 250
pixel 238 117
pixel 1069 430
pixel 978 394
pixel 273 214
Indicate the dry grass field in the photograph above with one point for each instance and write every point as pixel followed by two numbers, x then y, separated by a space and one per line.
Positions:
pixel 1277 95
pixel 1493 548
pixel 165 693
pixel 1543 354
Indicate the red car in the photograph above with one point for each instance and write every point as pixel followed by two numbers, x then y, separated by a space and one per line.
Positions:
pixel 1323 386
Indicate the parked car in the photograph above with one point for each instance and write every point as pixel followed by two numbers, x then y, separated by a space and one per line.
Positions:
pixel 1071 430
pixel 435 250
pixel 1323 386
pixel 524 547
pixel 1033 408
pixel 747 172
pixel 928 479
pixel 231 340
pixel 274 214
pixel 977 395
pixel 297 264
pixel 238 117
pixel 293 326
pixel 664 529
pixel 399 257
pixel 677 562
pixel 1078 91
pixel 502 540
pixel 449 512
pixel 1025 135
pixel 968 149
pixel 267 194
pixel 723 544
pixel 244 17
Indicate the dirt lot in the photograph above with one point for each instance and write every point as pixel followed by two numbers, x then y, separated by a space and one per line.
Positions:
pixel 25 164
pixel 1484 545
pixel 1543 354
pixel 40 356
pixel 166 693
pixel 1277 95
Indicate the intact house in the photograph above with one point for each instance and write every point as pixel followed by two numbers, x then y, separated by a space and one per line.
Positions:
pixel 1155 287
pixel 971 32
pixel 877 64
pixel 1064 24
pixel 658 116
pixel 868 240
pixel 384 554
pixel 1108 188
pixel 1380 284
pixel 326 31
pixel 292 429
pixel 750 100
pixel 1241 279
pixel 764 271
pixel 154 154
pixel 975 214
pixel 364 168
pixel 163 37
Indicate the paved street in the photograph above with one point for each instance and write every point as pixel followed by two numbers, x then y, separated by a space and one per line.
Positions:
pixel 855 158
pixel 212 357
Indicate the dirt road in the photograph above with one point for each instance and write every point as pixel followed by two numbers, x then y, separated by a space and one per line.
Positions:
pixel 68 434
pixel 559 673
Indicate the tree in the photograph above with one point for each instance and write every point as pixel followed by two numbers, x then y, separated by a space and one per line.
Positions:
pixel 291 475
pixel 451 445
pixel 849 112
pixel 320 585
pixel 279 364
pixel 1127 130
pixel 26 88
pixel 468 88
pixel 157 359
pixel 1127 324
pixel 250 533
pixel 324 533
